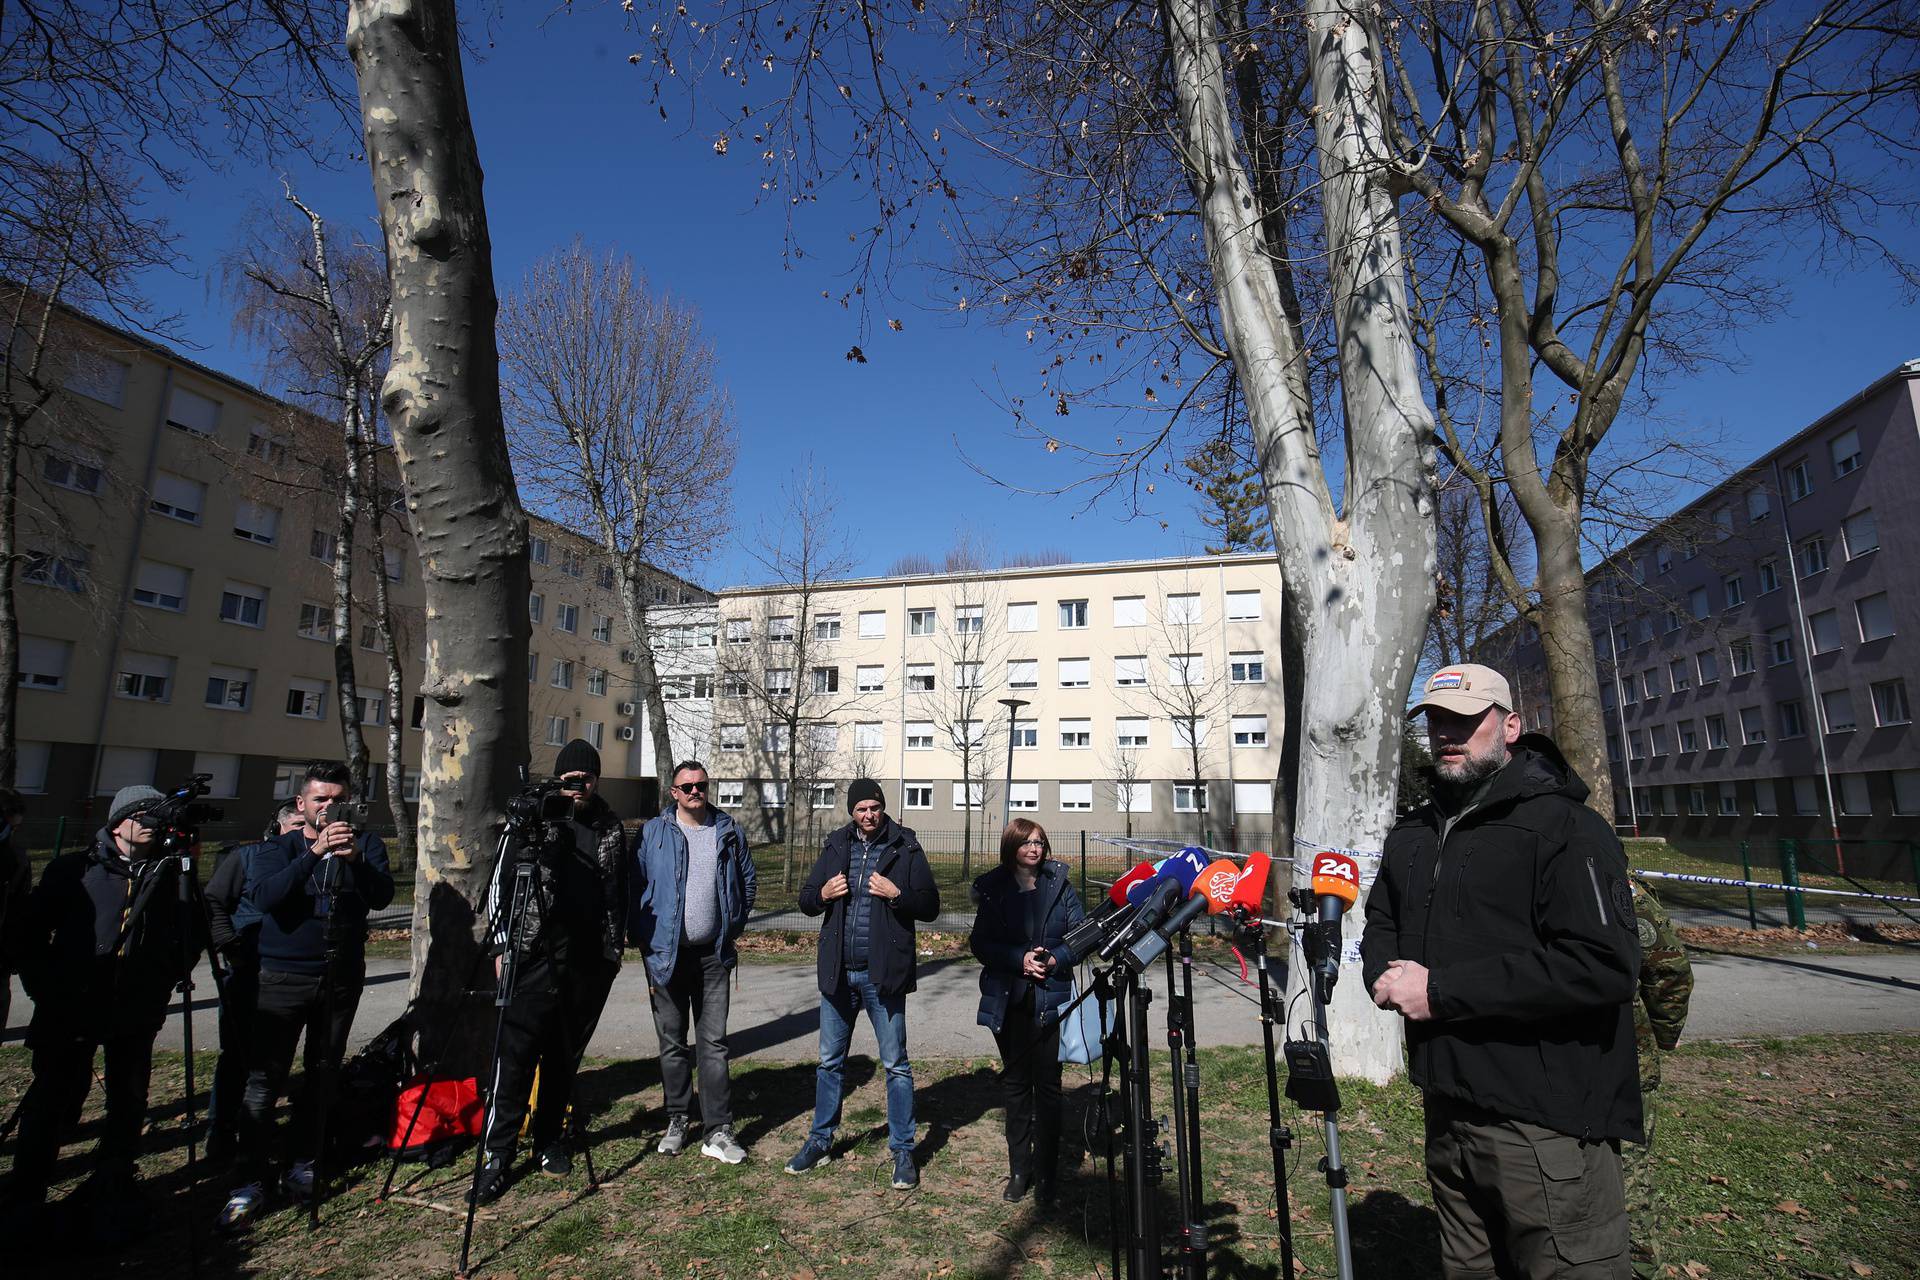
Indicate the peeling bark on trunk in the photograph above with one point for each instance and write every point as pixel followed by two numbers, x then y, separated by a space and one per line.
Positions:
pixel 1361 580
pixel 397 711
pixel 442 397
pixel 348 688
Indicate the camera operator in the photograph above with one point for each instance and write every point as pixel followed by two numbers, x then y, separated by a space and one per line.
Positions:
pixel 308 894
pixel 568 952
pixel 99 949
pixel 239 982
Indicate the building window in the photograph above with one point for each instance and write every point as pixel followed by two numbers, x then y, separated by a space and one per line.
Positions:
pixel 255 522
pixel 919 735
pixel 1076 735
pixel 1845 449
pixel 1699 604
pixel 1613 747
pixel 1253 797
pixel 1243 606
pixel 1187 668
pixel 1189 732
pixel 1076 797
pixel 1853 798
pixel 922 622
pixel 229 688
pixel 823 793
pixel 1129 672
pixel 1657 741
pixel 536 607
pixel 827 679
pixel 566 619
pixel 191 411
pixel 603 628
pixel 570 563
pixel 371 639
pixel 596 733
pixel 1249 731
pixel 1678 675
pixel 1247 668
pixel 1740 654
pixel 44 662
pixel 969 795
pixel 419 715
pixel 1753 726
pixel 603 575
pixel 1636 746
pixel 1689 738
pixel 1707 666
pixel 1793 719
pixel 1183 609
pixel 1643 629
pixel 1073 615
pixel 1649 684
pixel 1764 800
pixel 1189 797
pixel 966 675
pixel 739 631
pixel 128 766
pixel 1076 673
pixel 373 708
pixel 1025 734
pixel 1736 590
pixel 869 736
pixel 145 677
pixel 733 737
pixel 873 624
pixel 1133 797
pixel 1023 673
pixel 1779 646
pixel 780 629
pixel 533 667
pixel 1697 800
pixel 733 684
pixel 315 620
pixel 1906 791
pixel 1875 613
pixel 97 377
pixel 1799 480
pixel 1670 622
pixel 1759 505
pixel 1824 628
pixel 1729 801
pixel 1836 710
pixel 160 586
pixel 537 549
pixel 1860 533
pixel 1813 556
pixel 1023 795
pixel 780 680
pixel 1890 703
pixel 596 682
pixel 732 793
pixel 177 498
pixel 920 677
pixel 1129 611
pixel 307 699
pixel 323 546
pixel 244 604
pixel 556 731
pixel 919 795
pixel 1663 558
pixel 1024 616
pixel 65 570
pixel 1131 733
pixel 1806 797
pixel 561 676
pixel 969 619
pixel 826 627
pixel 269 448
pixel 1769 576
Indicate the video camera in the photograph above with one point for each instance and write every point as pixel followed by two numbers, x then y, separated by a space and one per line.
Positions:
pixel 536 814
pixel 176 818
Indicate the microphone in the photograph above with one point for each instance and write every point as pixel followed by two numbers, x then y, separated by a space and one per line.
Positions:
pixel 1250 890
pixel 1210 892
pixel 1336 886
pixel 1121 892
pixel 1081 940
pixel 1157 897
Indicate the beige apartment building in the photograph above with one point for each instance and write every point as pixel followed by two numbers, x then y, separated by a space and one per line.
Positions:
pixel 1147 697
pixel 175 598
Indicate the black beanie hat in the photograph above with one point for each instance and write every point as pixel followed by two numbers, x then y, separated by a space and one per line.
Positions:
pixel 864 789
pixel 577 756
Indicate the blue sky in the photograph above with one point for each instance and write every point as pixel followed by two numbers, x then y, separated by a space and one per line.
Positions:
pixel 571 147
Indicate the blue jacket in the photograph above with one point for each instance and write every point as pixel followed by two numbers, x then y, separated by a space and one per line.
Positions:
pixel 1000 940
pixel 293 895
pixel 660 884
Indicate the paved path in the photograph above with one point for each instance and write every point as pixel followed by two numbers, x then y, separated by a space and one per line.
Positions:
pixel 775 1006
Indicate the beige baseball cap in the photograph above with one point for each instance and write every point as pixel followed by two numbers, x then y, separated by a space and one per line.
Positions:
pixel 1465 689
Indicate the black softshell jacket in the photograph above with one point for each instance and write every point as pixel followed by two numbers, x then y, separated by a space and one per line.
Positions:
pixel 1525 924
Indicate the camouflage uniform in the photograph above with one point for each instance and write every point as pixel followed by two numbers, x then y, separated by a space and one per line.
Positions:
pixel 1666 984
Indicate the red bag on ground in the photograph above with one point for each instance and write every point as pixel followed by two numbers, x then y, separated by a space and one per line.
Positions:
pixel 449 1110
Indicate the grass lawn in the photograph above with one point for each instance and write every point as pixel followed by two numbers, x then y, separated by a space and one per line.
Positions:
pixel 1780 1158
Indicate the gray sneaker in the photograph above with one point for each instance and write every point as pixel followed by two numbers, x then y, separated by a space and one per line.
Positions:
pixel 721 1146
pixel 675 1138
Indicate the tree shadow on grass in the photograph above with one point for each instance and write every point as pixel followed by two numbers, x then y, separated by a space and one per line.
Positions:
pixel 1393 1237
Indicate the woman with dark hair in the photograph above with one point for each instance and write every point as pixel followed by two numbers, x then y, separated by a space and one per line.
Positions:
pixel 1026 906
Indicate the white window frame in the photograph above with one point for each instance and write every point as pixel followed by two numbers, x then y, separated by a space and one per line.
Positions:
pixel 916 795
pixel 1078 800
pixel 1243 606
pixel 1071 614
pixel 1075 673
pixel 1076 734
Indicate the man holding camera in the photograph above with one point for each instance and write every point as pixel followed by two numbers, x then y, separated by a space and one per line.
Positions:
pixel 99 948
pixel 567 952
pixel 308 893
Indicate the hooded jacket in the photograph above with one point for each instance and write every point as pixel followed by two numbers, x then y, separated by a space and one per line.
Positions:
pixel 586 895
pixel 892 962
pixel 659 891
pixel 103 941
pixel 1525 923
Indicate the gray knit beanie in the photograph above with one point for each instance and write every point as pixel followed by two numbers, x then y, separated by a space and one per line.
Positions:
pixel 128 801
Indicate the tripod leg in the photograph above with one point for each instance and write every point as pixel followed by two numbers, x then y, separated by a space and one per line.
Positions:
pixel 1278 1134
pixel 1196 1223
pixel 1177 1030
pixel 425 1075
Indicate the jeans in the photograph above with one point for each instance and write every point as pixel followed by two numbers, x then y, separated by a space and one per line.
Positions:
pixel 288 1006
pixel 698 987
pixel 888 1014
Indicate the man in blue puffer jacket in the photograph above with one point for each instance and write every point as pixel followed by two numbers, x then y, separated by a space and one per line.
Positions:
pixel 693 885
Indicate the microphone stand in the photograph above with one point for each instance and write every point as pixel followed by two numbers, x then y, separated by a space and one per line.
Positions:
pixel 1143 1131
pixel 1310 1081
pixel 1186 1114
pixel 329 1056
pixel 1279 1134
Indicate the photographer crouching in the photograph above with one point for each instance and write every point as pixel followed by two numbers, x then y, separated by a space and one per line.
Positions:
pixel 100 945
pixel 567 952
pixel 308 893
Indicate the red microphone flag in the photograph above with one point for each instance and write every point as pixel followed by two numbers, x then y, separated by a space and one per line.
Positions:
pixel 1250 890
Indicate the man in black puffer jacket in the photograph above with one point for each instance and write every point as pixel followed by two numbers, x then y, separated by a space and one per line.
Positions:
pixel 872 882
pixel 1502 929
pixel 99 950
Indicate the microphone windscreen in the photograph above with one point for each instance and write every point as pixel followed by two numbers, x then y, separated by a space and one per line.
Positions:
pixel 1250 890
pixel 1335 875
pixel 1123 887
pixel 1216 884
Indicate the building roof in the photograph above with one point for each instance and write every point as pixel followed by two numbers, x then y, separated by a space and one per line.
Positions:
pixel 1018 571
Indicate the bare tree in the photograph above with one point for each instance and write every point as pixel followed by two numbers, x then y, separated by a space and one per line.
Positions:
pixel 1470 607
pixel 1123 765
pixel 441 395
pixel 325 319
pixel 1179 689
pixel 1616 184
pixel 619 424
pixel 970 644
pixel 779 669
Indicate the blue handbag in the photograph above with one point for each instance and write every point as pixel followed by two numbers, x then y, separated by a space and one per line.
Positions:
pixel 1084 1026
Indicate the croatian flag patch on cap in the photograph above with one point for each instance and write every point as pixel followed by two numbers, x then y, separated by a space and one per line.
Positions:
pixel 1444 680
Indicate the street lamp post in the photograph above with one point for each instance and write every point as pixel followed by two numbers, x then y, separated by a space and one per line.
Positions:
pixel 1013 706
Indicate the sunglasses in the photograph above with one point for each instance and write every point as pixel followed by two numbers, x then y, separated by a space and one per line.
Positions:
pixel 690 788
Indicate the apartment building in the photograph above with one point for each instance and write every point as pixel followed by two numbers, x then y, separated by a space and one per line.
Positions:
pixel 1759 652
pixel 175 599
pixel 1140 695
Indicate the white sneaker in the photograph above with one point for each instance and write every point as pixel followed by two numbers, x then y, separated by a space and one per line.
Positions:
pixel 720 1145
pixel 242 1206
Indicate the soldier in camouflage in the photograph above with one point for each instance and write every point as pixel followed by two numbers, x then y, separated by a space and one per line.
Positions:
pixel 1666 984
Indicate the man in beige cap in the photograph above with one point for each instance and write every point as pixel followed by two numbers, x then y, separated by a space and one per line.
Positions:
pixel 1502 930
